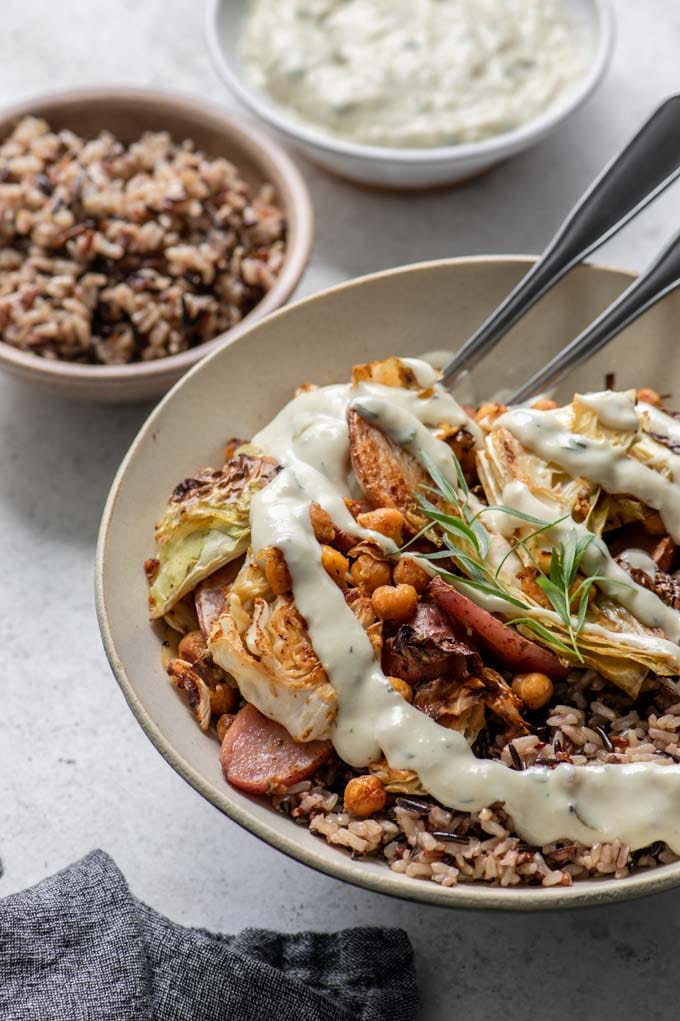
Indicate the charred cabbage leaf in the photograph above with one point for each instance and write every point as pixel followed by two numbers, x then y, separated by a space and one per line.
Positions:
pixel 612 641
pixel 262 641
pixel 205 526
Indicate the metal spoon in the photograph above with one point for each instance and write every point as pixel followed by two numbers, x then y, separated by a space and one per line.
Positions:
pixel 645 168
pixel 662 277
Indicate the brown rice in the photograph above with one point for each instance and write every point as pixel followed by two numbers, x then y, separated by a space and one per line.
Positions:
pixel 114 253
pixel 424 840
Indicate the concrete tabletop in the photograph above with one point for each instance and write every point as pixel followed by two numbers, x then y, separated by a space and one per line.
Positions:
pixel 76 771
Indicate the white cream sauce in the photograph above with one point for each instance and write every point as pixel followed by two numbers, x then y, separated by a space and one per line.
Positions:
pixel 597 560
pixel 637 803
pixel 413 73
pixel 640 560
pixel 547 434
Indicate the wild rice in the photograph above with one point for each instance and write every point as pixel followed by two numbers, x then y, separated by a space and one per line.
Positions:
pixel 589 722
pixel 113 253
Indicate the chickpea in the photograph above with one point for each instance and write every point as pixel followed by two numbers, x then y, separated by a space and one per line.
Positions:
pixel 223 725
pixel 368 574
pixel 365 795
pixel 534 689
pixel 276 572
pixel 388 521
pixel 404 689
pixel 409 572
pixel 544 404
pixel 324 529
pixel 192 647
pixel 649 396
pixel 357 507
pixel 544 559
pixel 488 413
pixel 223 699
pixel 335 564
pixel 394 602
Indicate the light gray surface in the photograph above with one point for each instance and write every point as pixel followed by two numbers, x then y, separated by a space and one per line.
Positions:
pixel 75 770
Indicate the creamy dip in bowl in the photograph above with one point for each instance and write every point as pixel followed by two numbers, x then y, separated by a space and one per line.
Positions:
pixel 411 95
pixel 398 73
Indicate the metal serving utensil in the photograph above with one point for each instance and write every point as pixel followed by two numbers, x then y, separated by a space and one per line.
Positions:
pixel 662 277
pixel 644 169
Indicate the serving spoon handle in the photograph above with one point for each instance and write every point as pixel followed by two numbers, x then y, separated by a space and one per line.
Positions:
pixel 634 178
pixel 662 277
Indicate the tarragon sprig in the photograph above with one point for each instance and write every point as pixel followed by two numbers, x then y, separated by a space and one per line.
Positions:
pixel 466 527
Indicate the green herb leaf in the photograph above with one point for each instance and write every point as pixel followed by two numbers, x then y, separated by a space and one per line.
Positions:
pixel 481 586
pixel 511 512
pixel 547 636
pixel 464 526
pixel 527 538
pixel 440 480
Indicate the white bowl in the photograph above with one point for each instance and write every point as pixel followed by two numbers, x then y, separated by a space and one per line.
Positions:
pixel 238 388
pixel 409 168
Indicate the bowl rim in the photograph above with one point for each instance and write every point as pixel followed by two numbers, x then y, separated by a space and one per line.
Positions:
pixel 496 146
pixel 331 861
pixel 263 151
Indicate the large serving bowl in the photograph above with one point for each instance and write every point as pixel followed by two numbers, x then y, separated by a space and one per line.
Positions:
pixel 128 112
pixel 400 167
pixel 239 388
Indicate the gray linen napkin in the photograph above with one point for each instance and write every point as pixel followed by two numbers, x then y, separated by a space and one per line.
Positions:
pixel 79 947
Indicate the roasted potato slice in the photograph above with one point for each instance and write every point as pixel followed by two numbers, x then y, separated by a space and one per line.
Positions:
pixel 388 475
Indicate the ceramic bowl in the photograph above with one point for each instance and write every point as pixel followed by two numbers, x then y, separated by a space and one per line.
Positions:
pixel 239 388
pixel 409 168
pixel 128 112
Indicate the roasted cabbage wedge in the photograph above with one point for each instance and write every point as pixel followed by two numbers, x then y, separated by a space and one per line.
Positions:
pixel 205 526
pixel 262 640
pixel 612 640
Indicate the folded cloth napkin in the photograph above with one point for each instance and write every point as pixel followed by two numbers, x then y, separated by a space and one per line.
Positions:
pixel 79 947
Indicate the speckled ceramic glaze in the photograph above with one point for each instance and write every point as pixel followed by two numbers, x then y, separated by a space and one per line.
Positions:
pixel 128 112
pixel 239 388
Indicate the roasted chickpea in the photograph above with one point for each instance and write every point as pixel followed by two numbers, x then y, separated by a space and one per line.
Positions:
pixel 335 564
pixel 394 602
pixel 223 725
pixel 649 396
pixel 544 404
pixel 223 699
pixel 192 647
pixel 357 507
pixel 544 559
pixel 409 572
pixel 276 572
pixel 324 529
pixel 404 689
pixel 368 574
pixel 534 689
pixel 388 521
pixel 488 413
pixel 365 795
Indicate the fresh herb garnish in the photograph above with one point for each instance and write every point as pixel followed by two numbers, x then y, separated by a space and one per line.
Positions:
pixel 560 585
pixel 466 544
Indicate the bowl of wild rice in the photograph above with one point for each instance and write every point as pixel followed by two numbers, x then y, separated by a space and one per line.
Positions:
pixel 139 230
